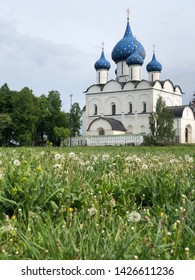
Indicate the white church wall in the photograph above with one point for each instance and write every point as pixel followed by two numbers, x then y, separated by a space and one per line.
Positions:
pixel 144 85
pixel 97 125
pixel 129 99
pixel 177 101
pixel 112 86
pixel 178 90
pixel 170 98
pixel 189 124
pixel 94 89
pixel 141 99
pixel 92 102
pixel 101 76
pixel 84 123
pixel 134 122
pixel 107 103
pixel 169 101
pixel 122 69
pixel 168 86
pixel 188 114
pixel 157 85
pixel 129 86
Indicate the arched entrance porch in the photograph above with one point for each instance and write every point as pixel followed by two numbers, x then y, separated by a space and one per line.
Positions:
pixel 188 134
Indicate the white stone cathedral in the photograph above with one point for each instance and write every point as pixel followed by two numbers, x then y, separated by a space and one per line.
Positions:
pixel 121 107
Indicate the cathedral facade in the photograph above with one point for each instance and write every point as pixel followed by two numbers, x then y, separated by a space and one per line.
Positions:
pixel 122 106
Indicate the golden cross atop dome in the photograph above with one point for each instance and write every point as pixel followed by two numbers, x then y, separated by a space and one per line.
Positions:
pixel 154 48
pixel 103 45
pixel 128 14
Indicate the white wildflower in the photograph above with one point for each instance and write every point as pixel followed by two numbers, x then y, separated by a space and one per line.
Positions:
pixel 128 158
pixel 57 156
pixel 16 162
pixel 89 168
pixel 134 216
pixel 144 166
pixel 72 155
pixel 112 202
pixel 92 211
pixel 105 156
pixel 57 166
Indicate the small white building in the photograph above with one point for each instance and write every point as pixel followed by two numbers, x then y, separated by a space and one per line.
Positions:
pixel 122 106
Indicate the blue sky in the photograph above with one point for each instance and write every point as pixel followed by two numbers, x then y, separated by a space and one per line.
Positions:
pixel 53 45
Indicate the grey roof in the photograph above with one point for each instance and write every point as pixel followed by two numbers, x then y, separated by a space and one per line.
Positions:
pixel 177 110
pixel 115 124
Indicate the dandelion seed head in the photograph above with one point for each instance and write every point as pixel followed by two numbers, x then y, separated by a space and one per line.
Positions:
pixel 71 155
pixel 16 162
pixel 92 211
pixel 57 166
pixel 105 157
pixel 134 217
pixel 57 156
pixel 144 166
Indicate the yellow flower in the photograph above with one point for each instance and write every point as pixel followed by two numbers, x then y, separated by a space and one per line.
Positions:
pixel 24 179
pixel 13 217
pixel 70 209
pixel 14 190
pixel 39 169
pixel 161 214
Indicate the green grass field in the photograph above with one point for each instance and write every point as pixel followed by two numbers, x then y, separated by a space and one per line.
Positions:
pixel 105 203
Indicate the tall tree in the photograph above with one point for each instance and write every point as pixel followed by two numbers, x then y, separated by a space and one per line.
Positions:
pixel 5 121
pixel 25 116
pixel 6 107
pixel 161 123
pixel 75 119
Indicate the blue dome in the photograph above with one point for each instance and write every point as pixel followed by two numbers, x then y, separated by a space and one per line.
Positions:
pixel 125 47
pixel 154 65
pixel 135 58
pixel 102 63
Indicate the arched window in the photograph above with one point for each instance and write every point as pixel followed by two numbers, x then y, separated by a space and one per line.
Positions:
pixel 130 108
pixel 95 109
pixel 144 107
pixel 101 131
pixel 113 109
pixel 122 68
pixel 186 135
pixel 99 76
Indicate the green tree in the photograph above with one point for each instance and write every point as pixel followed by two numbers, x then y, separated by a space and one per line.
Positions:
pixel 161 123
pixel 25 116
pixel 6 99
pixel 61 133
pixel 43 119
pixel 5 121
pixel 50 116
pixel 75 119
pixel 56 117
pixel 6 107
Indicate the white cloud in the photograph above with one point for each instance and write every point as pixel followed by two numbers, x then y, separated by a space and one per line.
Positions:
pixel 50 44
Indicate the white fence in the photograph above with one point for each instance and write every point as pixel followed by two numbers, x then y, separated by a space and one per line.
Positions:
pixel 106 140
